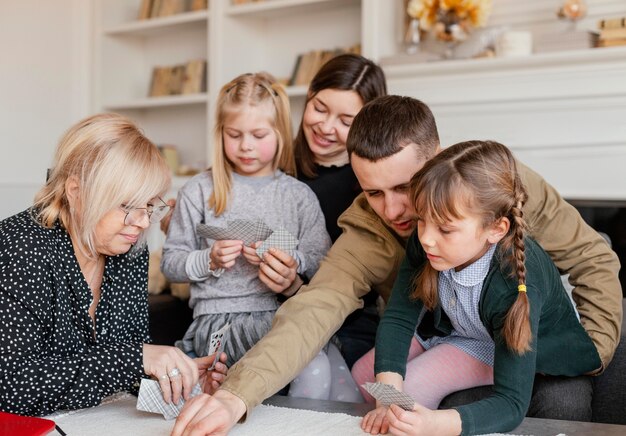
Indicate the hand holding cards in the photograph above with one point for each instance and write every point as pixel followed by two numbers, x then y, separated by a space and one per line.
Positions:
pixel 250 232
pixel 387 395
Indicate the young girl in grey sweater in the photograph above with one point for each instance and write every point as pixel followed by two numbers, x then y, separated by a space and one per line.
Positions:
pixel 230 283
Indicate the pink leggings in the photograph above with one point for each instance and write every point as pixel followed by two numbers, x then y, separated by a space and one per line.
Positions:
pixel 432 374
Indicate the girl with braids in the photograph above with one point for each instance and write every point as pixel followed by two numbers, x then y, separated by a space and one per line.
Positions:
pixel 251 179
pixel 476 302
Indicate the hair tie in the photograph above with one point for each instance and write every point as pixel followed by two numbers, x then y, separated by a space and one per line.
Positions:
pixel 521 288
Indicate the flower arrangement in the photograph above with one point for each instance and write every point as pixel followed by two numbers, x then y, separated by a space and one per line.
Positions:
pixel 450 20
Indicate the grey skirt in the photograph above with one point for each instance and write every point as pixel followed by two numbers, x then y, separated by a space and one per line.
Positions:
pixel 246 329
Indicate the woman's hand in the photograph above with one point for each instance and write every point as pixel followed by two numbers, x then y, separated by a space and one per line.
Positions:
pixel 423 421
pixel 211 380
pixel 250 253
pixel 375 422
pixel 278 270
pixel 176 372
pixel 206 414
pixel 224 253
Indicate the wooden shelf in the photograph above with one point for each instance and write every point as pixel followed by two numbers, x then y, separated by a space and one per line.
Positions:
pixel 156 102
pixel 156 26
pixel 276 8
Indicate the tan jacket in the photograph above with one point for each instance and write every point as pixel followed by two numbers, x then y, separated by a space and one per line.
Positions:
pixel 367 256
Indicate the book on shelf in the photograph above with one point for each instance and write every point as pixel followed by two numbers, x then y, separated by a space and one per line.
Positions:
pixel 187 78
pixel 165 8
pixel 198 5
pixel 308 64
pixel 145 9
pixel 175 85
pixel 159 85
pixel 194 79
pixel 612 23
pixel 170 154
pixel 611 42
pixel 171 7
pixel 614 33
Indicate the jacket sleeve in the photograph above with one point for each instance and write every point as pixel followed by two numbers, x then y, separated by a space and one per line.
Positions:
pixel 363 256
pixel 578 250
pixel 398 324
pixel 37 381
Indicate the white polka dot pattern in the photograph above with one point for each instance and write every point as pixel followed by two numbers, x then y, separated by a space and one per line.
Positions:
pixel 50 357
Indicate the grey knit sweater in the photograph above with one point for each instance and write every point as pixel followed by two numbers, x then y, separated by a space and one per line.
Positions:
pixel 279 200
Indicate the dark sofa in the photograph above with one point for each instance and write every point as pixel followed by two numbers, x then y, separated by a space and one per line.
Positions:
pixel 609 389
pixel 170 317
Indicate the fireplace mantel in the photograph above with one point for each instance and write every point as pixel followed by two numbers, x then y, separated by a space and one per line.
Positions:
pixel 564 114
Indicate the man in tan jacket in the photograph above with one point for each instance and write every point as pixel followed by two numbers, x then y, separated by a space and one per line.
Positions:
pixel 390 139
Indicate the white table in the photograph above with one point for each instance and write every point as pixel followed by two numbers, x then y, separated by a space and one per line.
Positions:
pixel 118 416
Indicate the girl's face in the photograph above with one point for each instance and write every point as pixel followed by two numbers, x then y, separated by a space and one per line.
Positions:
pixel 326 122
pixel 459 242
pixel 250 142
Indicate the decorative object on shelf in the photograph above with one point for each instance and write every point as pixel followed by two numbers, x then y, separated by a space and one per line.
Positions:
pixel 449 20
pixel 514 43
pixel 188 78
pixel 572 10
pixel 307 64
pixel 164 8
pixel 612 32
pixel 412 36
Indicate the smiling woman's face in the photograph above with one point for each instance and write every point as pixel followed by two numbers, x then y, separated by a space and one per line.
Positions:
pixel 326 122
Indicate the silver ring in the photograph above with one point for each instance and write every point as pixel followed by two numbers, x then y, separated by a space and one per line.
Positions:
pixel 174 373
pixel 163 377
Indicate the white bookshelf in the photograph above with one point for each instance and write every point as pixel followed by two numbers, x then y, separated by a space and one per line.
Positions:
pixel 234 39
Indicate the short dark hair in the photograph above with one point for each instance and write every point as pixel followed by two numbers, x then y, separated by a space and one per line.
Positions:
pixel 346 72
pixel 386 125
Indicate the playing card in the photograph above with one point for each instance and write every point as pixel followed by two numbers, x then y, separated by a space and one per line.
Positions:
pixel 216 344
pixel 281 239
pixel 150 399
pixel 215 233
pixel 387 395
pixel 249 231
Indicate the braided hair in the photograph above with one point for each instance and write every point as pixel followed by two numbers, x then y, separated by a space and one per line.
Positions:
pixel 480 176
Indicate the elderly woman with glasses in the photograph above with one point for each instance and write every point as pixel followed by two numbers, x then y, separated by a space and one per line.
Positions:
pixel 73 278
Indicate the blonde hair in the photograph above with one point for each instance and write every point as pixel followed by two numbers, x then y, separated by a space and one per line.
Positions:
pixel 113 164
pixel 481 176
pixel 253 90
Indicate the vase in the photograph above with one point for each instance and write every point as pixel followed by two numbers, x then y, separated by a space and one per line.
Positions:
pixel 412 36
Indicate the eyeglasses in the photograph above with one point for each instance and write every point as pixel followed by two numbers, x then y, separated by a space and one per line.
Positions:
pixel 135 215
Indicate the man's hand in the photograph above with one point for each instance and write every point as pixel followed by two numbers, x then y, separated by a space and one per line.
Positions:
pixel 209 415
pixel 278 270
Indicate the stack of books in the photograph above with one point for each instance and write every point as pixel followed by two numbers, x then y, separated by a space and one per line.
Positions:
pixel 189 78
pixel 308 64
pixel 164 8
pixel 612 32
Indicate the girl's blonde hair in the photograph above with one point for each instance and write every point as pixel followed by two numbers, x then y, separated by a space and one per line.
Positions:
pixel 481 177
pixel 113 163
pixel 253 90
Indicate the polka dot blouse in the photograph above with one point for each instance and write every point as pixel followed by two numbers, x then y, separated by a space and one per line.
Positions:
pixel 52 355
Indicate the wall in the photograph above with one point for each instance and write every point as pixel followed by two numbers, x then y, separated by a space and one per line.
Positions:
pixel 44 88
pixel 561 112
